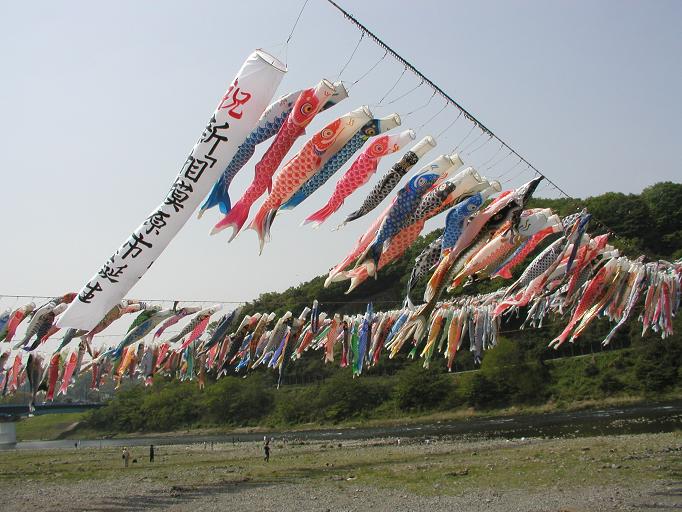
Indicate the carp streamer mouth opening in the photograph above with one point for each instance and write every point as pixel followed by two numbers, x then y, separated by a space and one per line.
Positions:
pixel 330 84
pixel 273 61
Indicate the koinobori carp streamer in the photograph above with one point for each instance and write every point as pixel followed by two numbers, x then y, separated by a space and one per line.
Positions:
pixel 234 118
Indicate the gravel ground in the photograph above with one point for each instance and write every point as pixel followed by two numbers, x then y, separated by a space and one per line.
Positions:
pixel 237 478
pixel 125 495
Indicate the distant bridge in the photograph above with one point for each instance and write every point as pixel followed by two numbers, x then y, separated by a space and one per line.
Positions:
pixel 15 411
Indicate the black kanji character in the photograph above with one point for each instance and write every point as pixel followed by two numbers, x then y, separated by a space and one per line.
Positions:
pixel 111 272
pixel 156 221
pixel 134 248
pixel 87 296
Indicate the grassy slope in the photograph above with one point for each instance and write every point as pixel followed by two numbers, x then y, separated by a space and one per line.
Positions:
pixel 46 426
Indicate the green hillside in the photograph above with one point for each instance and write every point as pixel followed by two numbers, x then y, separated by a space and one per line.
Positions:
pixel 649 223
pixel 520 372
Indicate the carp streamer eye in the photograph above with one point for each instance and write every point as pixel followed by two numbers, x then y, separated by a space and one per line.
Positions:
pixel 379 148
pixel 306 108
pixel 327 133
pixel 371 131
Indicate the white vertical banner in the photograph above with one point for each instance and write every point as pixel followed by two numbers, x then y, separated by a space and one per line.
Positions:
pixel 235 117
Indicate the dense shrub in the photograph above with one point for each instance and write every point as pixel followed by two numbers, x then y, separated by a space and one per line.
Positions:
pixel 513 372
pixel 591 370
pixel 482 392
pixel 343 397
pixel 170 406
pixel 658 364
pixel 296 406
pixel 418 388
pixel 237 401
pixel 509 374
pixel 610 384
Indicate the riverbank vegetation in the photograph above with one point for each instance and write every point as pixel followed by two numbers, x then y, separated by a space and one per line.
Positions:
pixel 519 372
pixel 511 376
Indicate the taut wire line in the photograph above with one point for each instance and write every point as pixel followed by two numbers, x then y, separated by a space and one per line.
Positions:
pixel 362 35
pixel 492 157
pixel 391 89
pixel 369 70
pixel 473 127
pixel 434 116
pixel 480 146
pixel 449 126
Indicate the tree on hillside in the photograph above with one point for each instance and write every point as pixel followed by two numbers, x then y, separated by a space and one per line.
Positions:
pixel 628 215
pixel 665 203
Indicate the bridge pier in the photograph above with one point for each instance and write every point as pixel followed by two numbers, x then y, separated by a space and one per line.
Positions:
pixel 8 435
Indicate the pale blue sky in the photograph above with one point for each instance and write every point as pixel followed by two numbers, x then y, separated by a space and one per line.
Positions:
pixel 101 103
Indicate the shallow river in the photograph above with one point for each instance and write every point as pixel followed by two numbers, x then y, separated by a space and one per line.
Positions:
pixel 659 417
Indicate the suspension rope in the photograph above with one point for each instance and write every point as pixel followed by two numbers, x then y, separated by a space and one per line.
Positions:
pixel 423 106
pixel 480 146
pixel 391 89
pixel 434 116
pixel 449 126
pixel 296 22
pixel 362 35
pixel 394 100
pixel 369 70
pixel 464 111
pixel 286 44
pixel 473 127
pixel 492 157
pixel 491 166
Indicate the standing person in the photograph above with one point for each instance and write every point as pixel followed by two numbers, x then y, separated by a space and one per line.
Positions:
pixel 126 457
pixel 266 450
pixel 151 453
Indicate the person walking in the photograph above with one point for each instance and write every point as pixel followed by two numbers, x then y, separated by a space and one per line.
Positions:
pixel 266 451
pixel 151 453
pixel 126 457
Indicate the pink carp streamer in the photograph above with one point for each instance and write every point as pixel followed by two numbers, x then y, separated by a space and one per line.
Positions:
pixel 308 104
pixel 305 164
pixel 360 172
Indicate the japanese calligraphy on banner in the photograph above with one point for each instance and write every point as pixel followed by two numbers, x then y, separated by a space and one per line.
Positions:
pixel 235 117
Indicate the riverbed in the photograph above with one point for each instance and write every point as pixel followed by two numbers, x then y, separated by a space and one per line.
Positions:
pixel 415 473
pixel 630 419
